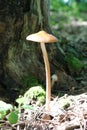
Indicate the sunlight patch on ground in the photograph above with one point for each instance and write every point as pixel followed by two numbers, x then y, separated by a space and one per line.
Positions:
pixel 79 23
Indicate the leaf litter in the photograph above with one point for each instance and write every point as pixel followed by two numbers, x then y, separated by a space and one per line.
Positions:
pixel 68 112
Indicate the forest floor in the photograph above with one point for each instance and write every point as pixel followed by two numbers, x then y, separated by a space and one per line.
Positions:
pixel 73 41
pixel 66 113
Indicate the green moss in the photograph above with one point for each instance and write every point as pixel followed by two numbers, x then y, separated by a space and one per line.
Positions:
pixel 30 81
pixel 74 62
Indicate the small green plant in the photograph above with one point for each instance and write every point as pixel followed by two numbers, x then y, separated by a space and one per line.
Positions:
pixel 13 118
pixel 36 93
pixel 4 107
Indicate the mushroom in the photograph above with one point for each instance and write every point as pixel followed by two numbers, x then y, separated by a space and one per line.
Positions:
pixel 43 37
pixel 54 78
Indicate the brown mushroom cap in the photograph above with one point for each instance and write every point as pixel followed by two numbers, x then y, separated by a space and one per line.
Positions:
pixel 42 36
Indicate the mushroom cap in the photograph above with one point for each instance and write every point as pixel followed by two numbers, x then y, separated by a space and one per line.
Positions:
pixel 42 36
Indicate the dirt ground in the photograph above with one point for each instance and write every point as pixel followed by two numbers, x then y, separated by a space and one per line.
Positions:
pixel 66 113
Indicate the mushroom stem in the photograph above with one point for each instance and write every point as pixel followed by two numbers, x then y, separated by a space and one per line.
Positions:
pixel 48 77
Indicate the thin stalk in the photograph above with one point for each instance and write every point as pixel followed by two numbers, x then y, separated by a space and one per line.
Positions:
pixel 48 77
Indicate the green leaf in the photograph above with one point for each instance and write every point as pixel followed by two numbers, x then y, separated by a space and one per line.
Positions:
pixel 28 107
pixel 2 114
pixel 21 100
pixel 13 118
pixel 4 107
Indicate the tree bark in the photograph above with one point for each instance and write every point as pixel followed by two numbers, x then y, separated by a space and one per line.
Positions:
pixel 17 56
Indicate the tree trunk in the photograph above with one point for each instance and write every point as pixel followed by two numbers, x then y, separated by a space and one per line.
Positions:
pixel 19 57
